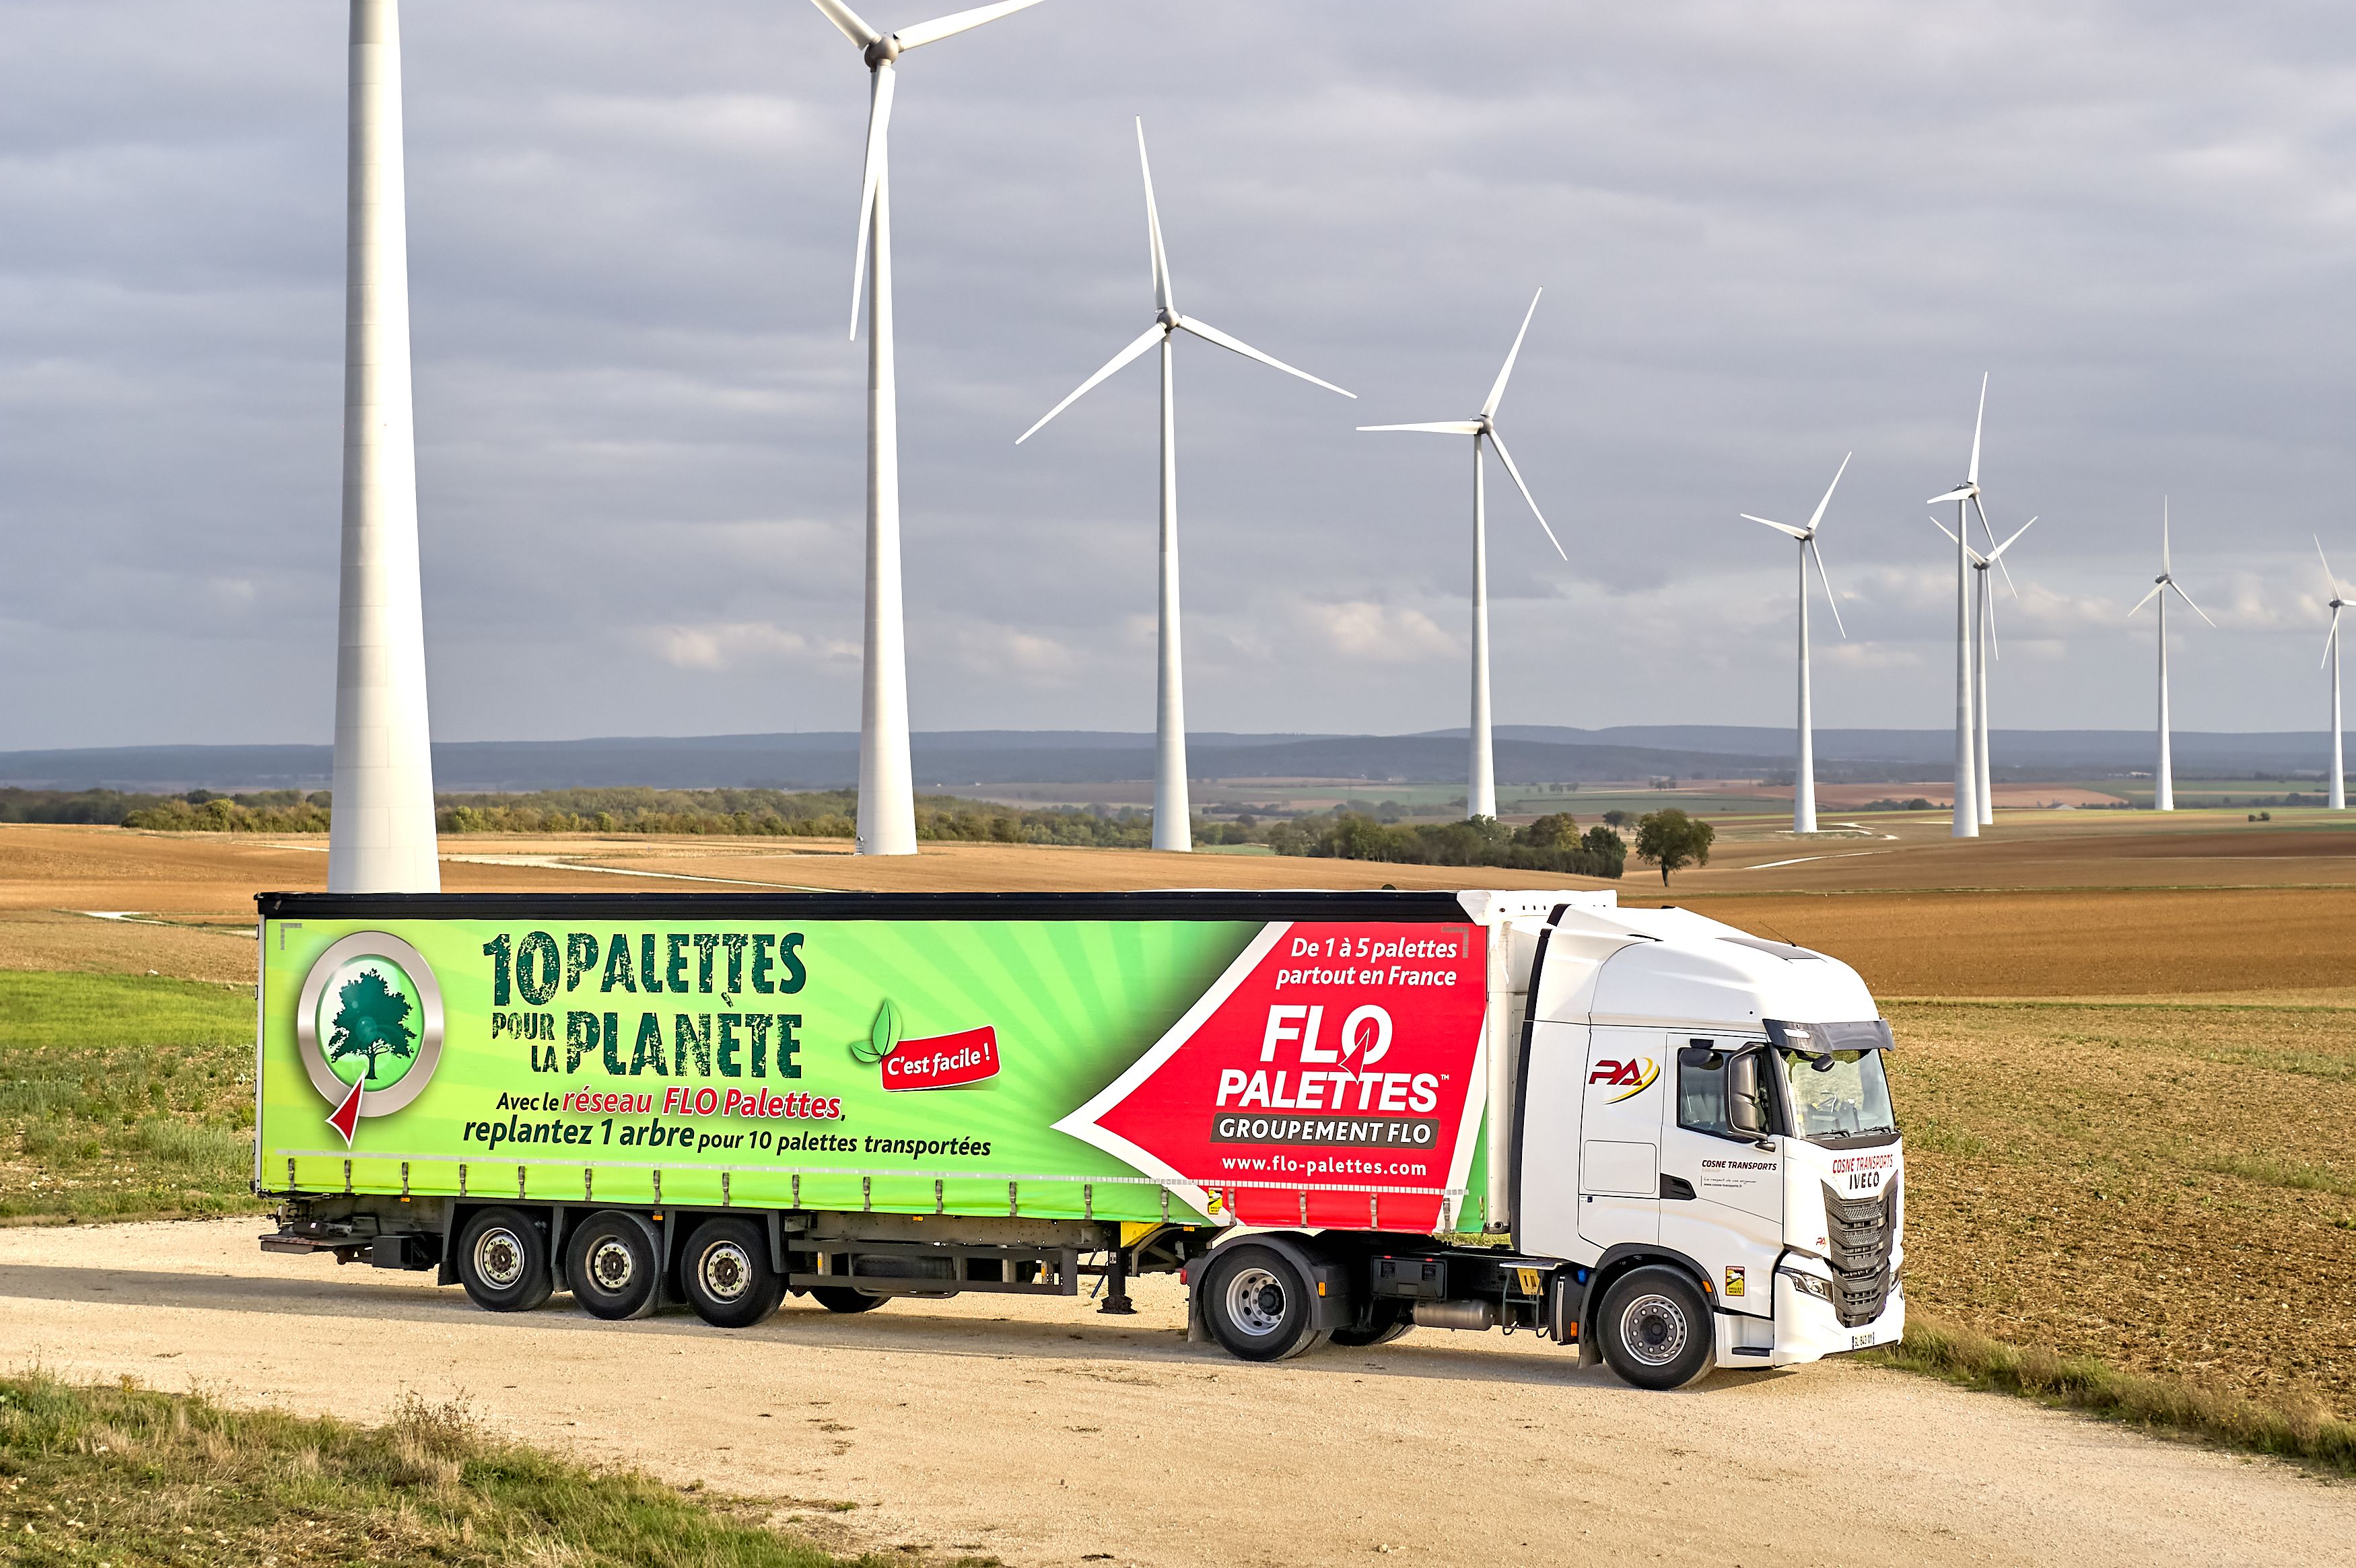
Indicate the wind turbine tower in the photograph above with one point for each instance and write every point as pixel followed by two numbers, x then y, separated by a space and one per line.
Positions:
pixel 381 838
pixel 1967 771
pixel 2163 780
pixel 1172 810
pixel 2331 659
pixel 1480 794
pixel 887 802
pixel 1803 778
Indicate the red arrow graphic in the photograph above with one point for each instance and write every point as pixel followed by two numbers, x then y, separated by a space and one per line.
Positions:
pixel 347 1119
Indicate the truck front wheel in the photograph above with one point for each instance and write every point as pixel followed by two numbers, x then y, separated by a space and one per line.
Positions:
pixel 727 1275
pixel 1257 1305
pixel 1655 1331
pixel 612 1266
pixel 842 1298
pixel 503 1262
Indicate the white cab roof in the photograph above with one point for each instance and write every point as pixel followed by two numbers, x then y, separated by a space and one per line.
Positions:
pixel 1673 968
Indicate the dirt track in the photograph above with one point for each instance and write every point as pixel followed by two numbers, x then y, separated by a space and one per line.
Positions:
pixel 1041 1432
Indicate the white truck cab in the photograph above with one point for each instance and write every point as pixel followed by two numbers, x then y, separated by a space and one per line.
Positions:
pixel 1693 1100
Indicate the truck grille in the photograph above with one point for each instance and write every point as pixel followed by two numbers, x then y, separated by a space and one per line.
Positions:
pixel 1859 1232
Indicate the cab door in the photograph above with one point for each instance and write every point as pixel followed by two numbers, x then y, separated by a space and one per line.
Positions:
pixel 1721 1200
pixel 1620 1128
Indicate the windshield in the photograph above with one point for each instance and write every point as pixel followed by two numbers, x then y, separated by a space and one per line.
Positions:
pixel 1837 1095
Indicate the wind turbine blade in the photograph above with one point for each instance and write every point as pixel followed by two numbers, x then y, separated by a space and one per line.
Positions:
pixel 879 126
pixel 1145 340
pixel 1153 227
pixel 1972 474
pixel 1951 537
pixel 1993 650
pixel 2188 598
pixel 942 27
pixel 2007 544
pixel 1831 603
pixel 1507 458
pixel 849 21
pixel 2148 597
pixel 1962 493
pixel 1498 390
pixel 1800 534
pixel 1994 554
pixel 1209 334
pixel 1819 517
pixel 2327 576
pixel 2164 566
pixel 1441 427
pixel 2330 637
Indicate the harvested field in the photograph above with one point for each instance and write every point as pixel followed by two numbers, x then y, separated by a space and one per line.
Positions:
pixel 2165 1187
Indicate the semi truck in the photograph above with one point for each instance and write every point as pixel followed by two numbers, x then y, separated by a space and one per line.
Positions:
pixel 1639 1133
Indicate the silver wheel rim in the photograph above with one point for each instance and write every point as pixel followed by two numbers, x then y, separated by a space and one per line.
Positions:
pixel 1256 1302
pixel 727 1270
pixel 498 1257
pixel 612 1265
pixel 1654 1329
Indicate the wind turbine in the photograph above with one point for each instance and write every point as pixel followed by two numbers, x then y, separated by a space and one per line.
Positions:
pixel 1481 797
pixel 1984 649
pixel 887 804
pixel 2163 783
pixel 382 839
pixel 1173 813
pixel 1804 794
pixel 1967 495
pixel 2331 657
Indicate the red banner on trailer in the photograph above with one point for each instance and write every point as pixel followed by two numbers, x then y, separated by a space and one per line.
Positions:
pixel 1326 1079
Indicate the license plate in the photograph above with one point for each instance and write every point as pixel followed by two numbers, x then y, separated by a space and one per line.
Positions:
pixel 1861 1342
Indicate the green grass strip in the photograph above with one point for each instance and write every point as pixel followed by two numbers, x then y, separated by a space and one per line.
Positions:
pixel 2297 1428
pixel 124 1475
pixel 43 1008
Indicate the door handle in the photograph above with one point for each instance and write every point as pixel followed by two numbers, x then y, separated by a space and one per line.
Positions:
pixel 1676 1187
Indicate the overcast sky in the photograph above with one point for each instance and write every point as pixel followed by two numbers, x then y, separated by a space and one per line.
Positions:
pixel 1768 234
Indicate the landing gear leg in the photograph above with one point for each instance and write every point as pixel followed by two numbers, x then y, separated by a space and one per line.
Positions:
pixel 1117 1301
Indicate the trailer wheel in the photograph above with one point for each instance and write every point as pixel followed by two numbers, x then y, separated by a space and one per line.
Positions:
pixel 503 1262
pixel 1655 1331
pixel 611 1265
pixel 1257 1305
pixel 726 1274
pixel 842 1298
pixel 1387 1320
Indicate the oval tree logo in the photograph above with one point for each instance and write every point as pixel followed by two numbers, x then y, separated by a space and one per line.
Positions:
pixel 368 1023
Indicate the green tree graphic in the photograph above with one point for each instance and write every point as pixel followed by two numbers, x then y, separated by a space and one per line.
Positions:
pixel 371 1023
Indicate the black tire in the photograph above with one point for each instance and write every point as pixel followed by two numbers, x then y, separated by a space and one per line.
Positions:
pixel 725 1273
pixel 1256 1304
pixel 1655 1330
pixel 1386 1320
pixel 612 1267
pixel 842 1298
pixel 503 1262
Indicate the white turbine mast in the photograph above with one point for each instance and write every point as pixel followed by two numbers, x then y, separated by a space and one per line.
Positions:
pixel 2331 660
pixel 381 838
pixel 1481 797
pixel 887 804
pixel 2163 780
pixel 1967 771
pixel 1172 810
pixel 1984 649
pixel 1803 776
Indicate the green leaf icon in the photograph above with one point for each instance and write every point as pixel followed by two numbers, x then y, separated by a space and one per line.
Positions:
pixel 883 1038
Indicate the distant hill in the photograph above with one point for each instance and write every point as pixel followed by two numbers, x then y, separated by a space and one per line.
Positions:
pixel 954 759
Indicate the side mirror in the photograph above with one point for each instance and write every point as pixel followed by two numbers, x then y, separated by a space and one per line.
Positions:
pixel 1745 1111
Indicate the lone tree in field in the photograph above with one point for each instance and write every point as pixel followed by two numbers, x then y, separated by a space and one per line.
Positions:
pixel 371 1022
pixel 1671 840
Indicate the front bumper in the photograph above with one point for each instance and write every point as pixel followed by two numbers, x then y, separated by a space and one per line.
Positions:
pixel 1805 1328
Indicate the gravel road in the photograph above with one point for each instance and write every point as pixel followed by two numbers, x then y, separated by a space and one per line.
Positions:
pixel 1039 1432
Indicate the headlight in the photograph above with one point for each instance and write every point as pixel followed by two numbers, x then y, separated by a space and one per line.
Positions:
pixel 1809 1284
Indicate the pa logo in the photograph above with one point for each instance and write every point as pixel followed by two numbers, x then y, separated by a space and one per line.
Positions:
pixel 369 1024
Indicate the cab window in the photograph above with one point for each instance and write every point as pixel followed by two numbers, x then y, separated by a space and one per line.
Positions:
pixel 1711 1079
